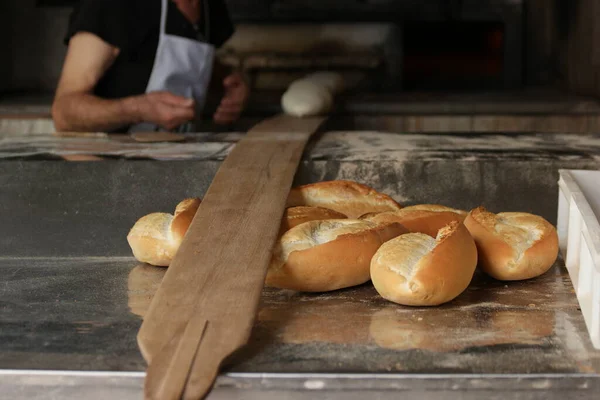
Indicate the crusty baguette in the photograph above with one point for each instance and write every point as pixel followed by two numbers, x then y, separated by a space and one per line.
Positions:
pixel 417 270
pixel 350 198
pixel 513 245
pixel 422 218
pixel 320 256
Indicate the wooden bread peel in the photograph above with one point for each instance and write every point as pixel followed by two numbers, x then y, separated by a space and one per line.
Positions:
pixel 205 307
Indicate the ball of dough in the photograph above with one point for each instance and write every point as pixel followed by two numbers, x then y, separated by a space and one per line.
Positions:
pixel 305 98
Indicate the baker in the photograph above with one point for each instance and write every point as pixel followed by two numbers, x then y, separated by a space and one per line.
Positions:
pixel 145 65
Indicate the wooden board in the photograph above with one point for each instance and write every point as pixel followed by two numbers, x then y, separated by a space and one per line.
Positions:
pixel 210 293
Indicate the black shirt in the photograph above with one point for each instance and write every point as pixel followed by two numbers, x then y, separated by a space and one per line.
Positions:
pixel 133 26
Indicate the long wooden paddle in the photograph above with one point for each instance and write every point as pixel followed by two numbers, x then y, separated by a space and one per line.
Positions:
pixel 206 304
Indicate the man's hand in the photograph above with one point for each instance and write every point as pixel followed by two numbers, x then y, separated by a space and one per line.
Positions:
pixel 234 99
pixel 164 109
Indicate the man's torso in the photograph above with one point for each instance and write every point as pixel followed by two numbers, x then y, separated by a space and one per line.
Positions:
pixel 133 26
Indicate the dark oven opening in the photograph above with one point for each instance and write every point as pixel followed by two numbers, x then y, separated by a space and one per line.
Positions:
pixel 453 55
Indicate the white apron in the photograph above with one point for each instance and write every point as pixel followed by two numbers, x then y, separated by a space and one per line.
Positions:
pixel 182 66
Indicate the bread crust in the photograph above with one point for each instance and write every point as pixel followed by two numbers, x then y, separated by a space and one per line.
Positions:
pixel 294 216
pixel 513 246
pixel 184 214
pixel 340 260
pixel 150 240
pixel 423 218
pixel 350 198
pixel 155 238
pixel 417 270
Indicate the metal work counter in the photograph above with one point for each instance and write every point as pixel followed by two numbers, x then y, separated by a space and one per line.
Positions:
pixel 73 297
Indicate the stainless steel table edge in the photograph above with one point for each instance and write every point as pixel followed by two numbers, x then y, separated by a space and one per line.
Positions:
pixel 50 385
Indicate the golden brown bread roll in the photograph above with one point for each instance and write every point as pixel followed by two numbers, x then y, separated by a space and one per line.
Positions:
pixel 423 218
pixel 155 238
pixel 150 239
pixel 350 198
pixel 513 245
pixel 295 216
pixel 418 270
pixel 320 256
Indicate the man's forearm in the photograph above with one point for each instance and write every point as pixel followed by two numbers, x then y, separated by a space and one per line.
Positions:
pixel 82 112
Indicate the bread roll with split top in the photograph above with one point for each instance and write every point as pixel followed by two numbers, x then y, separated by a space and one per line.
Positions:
pixel 513 245
pixel 350 198
pixel 423 218
pixel 417 270
pixel 320 256
pixel 155 238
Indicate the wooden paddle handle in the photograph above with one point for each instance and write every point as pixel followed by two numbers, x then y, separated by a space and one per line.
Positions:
pixel 167 375
pixel 205 307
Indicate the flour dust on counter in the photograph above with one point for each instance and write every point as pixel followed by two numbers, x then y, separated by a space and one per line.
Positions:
pixel 75 296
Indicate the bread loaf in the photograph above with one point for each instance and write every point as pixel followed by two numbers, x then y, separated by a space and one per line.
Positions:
pixel 423 218
pixel 513 245
pixel 155 238
pixel 417 270
pixel 350 198
pixel 320 256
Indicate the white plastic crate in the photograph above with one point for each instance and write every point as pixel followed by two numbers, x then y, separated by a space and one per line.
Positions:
pixel 579 240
